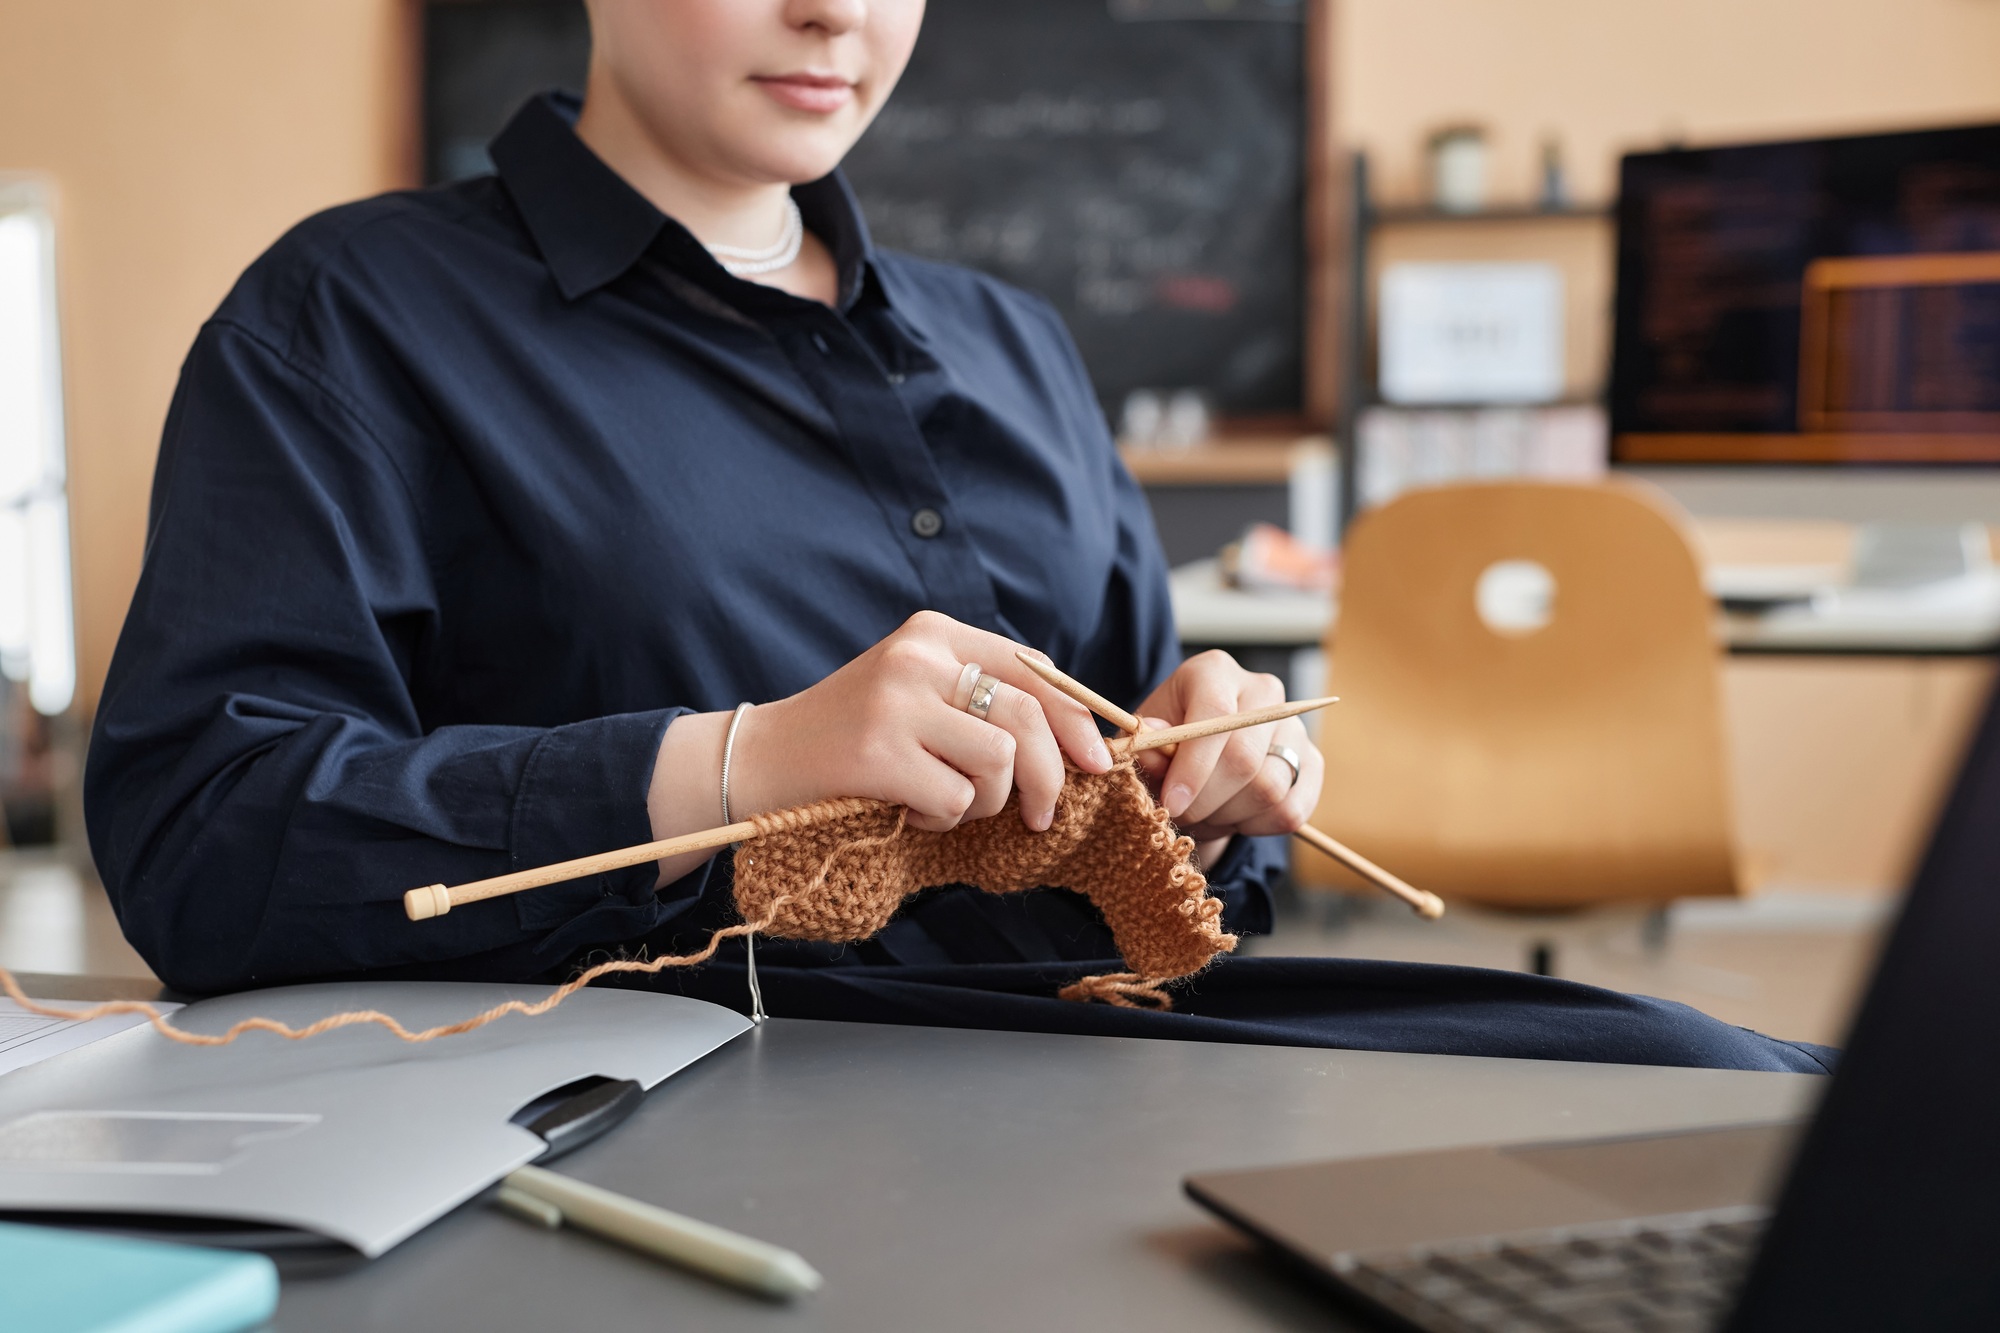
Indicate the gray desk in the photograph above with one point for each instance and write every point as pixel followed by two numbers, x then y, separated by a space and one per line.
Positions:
pixel 988 1180
pixel 1960 619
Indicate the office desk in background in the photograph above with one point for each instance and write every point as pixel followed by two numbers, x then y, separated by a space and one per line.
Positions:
pixel 943 1179
pixel 1842 733
pixel 1203 498
pixel 1946 621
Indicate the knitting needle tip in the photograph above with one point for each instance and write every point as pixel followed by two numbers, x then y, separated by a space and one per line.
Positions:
pixel 1424 903
pixel 1215 726
pixel 1137 739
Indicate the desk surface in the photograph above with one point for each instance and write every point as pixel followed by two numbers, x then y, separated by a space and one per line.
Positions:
pixel 1209 613
pixel 989 1180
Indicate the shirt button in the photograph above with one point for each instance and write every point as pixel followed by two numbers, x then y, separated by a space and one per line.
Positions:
pixel 927 523
pixel 819 341
pixel 897 377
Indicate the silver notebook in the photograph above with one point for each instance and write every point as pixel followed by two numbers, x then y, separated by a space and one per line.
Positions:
pixel 354 1136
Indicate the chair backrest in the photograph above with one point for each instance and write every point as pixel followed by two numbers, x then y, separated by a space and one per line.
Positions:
pixel 1576 763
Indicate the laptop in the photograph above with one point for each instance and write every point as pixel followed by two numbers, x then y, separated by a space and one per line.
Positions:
pixel 1881 1213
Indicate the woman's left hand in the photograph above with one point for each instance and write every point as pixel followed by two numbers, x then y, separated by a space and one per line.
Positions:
pixel 1223 785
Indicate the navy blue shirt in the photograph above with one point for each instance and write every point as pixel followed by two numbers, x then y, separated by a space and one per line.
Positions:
pixel 467 493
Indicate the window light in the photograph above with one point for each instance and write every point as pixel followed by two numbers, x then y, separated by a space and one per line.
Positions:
pixel 37 643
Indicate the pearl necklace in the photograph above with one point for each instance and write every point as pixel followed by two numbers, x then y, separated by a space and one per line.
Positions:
pixel 741 263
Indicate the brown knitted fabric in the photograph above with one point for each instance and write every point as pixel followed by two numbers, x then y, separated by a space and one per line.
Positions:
pixel 840 874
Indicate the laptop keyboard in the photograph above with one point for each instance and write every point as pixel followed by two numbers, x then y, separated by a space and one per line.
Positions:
pixel 1670 1275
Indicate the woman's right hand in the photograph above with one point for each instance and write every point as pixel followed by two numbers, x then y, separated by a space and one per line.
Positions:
pixel 890 725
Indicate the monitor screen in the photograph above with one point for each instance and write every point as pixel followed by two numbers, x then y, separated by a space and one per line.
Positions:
pixel 1820 301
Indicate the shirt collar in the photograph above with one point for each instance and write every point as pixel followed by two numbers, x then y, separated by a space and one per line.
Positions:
pixel 591 226
pixel 832 213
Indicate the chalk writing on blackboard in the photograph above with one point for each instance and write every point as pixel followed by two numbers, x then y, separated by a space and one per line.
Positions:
pixel 1145 177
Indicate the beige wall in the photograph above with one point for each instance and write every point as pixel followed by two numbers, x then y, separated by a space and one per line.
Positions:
pixel 1607 76
pixel 181 136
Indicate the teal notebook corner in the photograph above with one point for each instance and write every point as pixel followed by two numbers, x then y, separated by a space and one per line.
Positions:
pixel 64 1282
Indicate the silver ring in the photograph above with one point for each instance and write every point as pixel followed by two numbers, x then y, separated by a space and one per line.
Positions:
pixel 968 676
pixel 1291 758
pixel 982 696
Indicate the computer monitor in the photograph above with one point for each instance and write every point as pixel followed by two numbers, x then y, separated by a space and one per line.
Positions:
pixel 1817 301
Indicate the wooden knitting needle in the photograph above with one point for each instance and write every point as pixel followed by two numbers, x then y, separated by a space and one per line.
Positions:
pixel 1165 738
pixel 1424 904
pixel 1215 726
pixel 1427 905
pixel 1082 693
pixel 435 899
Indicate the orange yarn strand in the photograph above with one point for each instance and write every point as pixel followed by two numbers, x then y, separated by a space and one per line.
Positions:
pixel 359 1017
pixel 837 871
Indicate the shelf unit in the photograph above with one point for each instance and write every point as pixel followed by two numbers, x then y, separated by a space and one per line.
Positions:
pixel 1380 217
pixel 1365 218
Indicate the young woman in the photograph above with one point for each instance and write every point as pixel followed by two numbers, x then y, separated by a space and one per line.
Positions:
pixel 480 511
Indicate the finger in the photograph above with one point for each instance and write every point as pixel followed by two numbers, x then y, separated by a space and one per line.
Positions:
pixel 936 795
pixel 1153 764
pixel 1299 805
pixel 1302 801
pixel 1244 764
pixel 1273 802
pixel 1038 765
pixel 1211 690
pixel 1073 726
pixel 1233 758
pixel 980 751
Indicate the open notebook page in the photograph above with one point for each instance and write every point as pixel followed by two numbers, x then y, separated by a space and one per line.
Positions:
pixel 27 1038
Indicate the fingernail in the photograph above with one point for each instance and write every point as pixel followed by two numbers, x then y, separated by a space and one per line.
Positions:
pixel 1100 754
pixel 1176 799
pixel 1042 821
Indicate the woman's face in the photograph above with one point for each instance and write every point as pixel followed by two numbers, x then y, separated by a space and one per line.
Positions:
pixel 752 91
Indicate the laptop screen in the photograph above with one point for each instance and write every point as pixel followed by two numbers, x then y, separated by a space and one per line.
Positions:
pixel 1891 1215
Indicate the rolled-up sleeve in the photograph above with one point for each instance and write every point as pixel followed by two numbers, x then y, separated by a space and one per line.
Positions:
pixel 261 785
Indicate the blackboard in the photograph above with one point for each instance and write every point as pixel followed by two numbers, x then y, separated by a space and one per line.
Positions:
pixel 481 61
pixel 1139 163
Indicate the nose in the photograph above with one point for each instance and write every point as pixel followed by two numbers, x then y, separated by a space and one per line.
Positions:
pixel 832 17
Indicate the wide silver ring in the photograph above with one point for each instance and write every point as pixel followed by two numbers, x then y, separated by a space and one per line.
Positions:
pixel 1291 758
pixel 981 701
pixel 968 676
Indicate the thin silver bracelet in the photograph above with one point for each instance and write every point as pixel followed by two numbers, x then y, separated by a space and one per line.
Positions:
pixel 750 940
pixel 728 749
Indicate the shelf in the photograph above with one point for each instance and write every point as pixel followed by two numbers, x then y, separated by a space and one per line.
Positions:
pixel 1567 400
pixel 1380 217
pixel 1223 462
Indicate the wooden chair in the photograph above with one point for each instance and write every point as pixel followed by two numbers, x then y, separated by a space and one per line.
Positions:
pixel 1578 763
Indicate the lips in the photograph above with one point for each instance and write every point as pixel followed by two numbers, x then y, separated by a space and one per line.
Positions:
pixel 817 93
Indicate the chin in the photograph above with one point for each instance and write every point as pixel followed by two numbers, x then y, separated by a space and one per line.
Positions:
pixel 797 161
